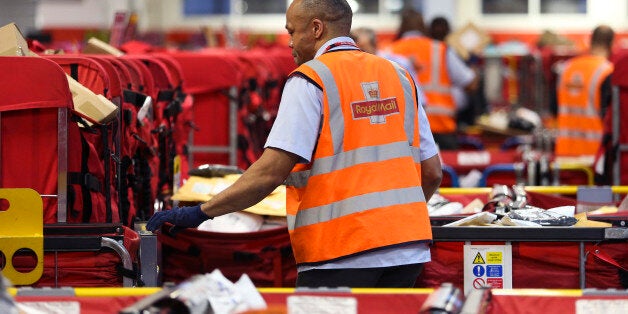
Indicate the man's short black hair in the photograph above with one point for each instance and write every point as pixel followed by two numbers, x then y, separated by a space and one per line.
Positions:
pixel 338 12
pixel 603 36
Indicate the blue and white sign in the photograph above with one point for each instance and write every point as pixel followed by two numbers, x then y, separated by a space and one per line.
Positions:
pixel 478 270
pixel 494 271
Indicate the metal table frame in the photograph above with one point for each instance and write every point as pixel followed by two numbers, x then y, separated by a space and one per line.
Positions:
pixel 87 237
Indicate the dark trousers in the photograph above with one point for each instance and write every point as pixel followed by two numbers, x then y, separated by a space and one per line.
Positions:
pixel 403 276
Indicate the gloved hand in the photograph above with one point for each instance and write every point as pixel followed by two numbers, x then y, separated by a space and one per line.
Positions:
pixel 187 217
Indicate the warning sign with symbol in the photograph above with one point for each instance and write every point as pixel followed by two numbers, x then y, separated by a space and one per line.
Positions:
pixel 487 265
pixel 478 259
pixel 478 283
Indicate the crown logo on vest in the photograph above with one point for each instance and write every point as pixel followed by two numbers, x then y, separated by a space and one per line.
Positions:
pixel 374 108
pixel 575 84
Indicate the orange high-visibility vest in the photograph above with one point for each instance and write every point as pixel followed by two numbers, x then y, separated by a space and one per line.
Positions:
pixel 429 58
pixel 579 123
pixel 362 189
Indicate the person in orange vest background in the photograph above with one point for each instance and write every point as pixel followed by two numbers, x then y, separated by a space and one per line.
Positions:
pixel 469 103
pixel 583 95
pixel 366 39
pixel 438 69
pixel 348 143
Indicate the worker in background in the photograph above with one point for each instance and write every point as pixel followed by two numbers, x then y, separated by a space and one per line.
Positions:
pixel 438 69
pixel 583 95
pixel 469 104
pixel 366 39
pixel 439 30
pixel 346 142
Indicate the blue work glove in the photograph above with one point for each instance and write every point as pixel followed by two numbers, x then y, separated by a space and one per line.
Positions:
pixel 186 217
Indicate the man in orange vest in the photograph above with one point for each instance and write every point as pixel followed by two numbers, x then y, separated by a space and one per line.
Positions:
pixel 358 162
pixel 438 69
pixel 584 93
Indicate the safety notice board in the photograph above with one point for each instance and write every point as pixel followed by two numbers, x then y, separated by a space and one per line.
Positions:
pixel 487 265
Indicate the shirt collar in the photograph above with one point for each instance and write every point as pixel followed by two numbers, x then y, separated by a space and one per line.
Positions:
pixel 410 34
pixel 332 41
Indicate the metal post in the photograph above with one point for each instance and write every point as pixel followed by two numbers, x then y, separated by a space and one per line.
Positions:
pixel 233 126
pixel 117 157
pixel 62 165
pixel 583 261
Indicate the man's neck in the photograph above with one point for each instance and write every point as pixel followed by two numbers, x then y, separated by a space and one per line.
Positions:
pixel 599 51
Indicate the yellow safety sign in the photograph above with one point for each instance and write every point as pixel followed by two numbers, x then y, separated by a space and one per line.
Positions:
pixel 494 257
pixel 478 259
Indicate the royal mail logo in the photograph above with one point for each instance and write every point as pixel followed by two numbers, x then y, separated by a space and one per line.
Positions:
pixel 576 84
pixel 374 108
pixel 373 93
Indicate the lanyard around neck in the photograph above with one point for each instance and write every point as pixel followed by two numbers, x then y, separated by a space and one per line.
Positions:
pixel 339 44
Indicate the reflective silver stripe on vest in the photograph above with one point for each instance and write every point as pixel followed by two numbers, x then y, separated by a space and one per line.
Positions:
pixel 573 109
pixel 434 85
pixel 438 110
pixel 360 156
pixel 353 157
pixel 336 119
pixel 410 115
pixel 579 135
pixel 435 88
pixel 436 61
pixel 593 87
pixel 355 204
pixel 416 154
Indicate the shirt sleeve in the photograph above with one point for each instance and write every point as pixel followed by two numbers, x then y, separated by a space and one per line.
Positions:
pixel 428 147
pixel 459 73
pixel 298 120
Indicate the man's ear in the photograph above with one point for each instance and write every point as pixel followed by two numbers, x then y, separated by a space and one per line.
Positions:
pixel 317 28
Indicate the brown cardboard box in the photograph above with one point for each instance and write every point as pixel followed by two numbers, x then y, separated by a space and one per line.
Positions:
pixel 96 107
pixel 12 43
pixel 97 46
pixel 468 39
